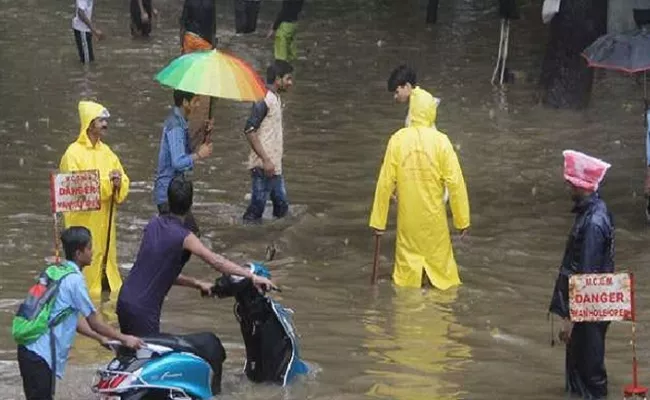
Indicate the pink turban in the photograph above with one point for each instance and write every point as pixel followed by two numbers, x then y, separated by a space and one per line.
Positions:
pixel 583 171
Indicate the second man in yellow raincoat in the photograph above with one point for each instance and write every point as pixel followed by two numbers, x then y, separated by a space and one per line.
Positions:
pixel 419 163
pixel 86 153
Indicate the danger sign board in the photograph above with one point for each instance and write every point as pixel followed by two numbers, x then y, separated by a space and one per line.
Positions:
pixel 600 297
pixel 75 191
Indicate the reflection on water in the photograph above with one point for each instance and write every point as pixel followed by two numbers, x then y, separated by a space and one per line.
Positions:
pixel 415 344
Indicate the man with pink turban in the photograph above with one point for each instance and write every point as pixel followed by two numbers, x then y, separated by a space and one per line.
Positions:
pixel 589 249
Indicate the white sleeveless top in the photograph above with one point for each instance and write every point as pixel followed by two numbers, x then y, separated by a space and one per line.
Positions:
pixel 270 134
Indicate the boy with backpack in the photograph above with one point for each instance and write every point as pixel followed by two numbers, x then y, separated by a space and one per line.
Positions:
pixel 46 322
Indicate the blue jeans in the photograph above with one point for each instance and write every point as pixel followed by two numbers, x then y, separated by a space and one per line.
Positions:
pixel 262 187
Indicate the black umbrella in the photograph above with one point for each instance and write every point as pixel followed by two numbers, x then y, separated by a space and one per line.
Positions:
pixel 626 52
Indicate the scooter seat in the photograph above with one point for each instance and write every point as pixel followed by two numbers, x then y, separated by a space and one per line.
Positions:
pixel 205 345
pixel 174 342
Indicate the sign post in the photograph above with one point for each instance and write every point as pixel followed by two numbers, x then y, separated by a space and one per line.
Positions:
pixel 634 389
pixel 73 191
pixel 607 297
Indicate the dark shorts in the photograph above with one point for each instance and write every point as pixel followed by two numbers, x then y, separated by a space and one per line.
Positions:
pixel 84 42
pixel 36 374
pixel 137 322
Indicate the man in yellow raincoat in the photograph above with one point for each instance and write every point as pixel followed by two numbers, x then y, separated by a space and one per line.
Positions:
pixel 423 107
pixel 420 162
pixel 86 153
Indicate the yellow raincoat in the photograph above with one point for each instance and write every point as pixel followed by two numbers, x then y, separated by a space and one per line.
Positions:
pixel 82 155
pixel 420 162
pixel 423 109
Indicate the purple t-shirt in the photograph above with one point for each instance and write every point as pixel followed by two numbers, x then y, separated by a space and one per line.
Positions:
pixel 157 265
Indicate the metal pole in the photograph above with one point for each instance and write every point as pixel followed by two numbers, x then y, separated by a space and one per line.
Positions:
pixel 635 380
pixel 505 50
pixel 496 67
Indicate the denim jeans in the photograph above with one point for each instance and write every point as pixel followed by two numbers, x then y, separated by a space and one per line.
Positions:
pixel 262 187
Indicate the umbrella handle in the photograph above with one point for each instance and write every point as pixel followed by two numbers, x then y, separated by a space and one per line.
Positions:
pixel 210 110
pixel 206 136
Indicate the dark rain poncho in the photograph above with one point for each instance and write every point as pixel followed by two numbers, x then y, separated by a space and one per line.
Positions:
pixel 589 249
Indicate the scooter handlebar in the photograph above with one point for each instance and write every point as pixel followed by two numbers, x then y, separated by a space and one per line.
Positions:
pixel 228 285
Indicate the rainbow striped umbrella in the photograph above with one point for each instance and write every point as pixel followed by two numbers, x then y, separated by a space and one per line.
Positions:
pixel 213 73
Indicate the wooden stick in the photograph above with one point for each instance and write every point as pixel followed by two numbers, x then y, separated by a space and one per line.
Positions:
pixel 375 263
pixel 108 244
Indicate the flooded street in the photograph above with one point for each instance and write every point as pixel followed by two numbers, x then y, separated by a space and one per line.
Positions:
pixel 489 339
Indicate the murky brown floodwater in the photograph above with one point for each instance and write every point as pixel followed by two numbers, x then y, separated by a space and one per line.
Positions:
pixel 487 340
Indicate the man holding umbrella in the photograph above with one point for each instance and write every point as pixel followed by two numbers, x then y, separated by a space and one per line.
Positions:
pixel 88 152
pixel 207 73
pixel 175 156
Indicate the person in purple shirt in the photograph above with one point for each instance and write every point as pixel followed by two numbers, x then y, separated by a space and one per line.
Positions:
pixel 158 265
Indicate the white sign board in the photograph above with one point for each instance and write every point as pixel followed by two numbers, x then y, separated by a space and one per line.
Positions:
pixel 75 191
pixel 600 297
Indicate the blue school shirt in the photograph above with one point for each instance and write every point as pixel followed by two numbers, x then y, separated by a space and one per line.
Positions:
pixel 73 293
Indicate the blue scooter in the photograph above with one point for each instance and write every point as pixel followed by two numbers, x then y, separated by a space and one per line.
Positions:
pixel 189 367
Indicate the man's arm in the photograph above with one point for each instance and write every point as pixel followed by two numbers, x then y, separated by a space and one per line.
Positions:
pixel 108 331
pixel 222 264
pixel 593 250
pixel 81 302
pixel 592 260
pixel 144 17
pixel 85 329
pixel 81 13
pixel 84 18
pixel 187 281
pixel 121 183
pixel 258 113
pixel 455 182
pixel 386 184
pixel 181 161
pixel 256 145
